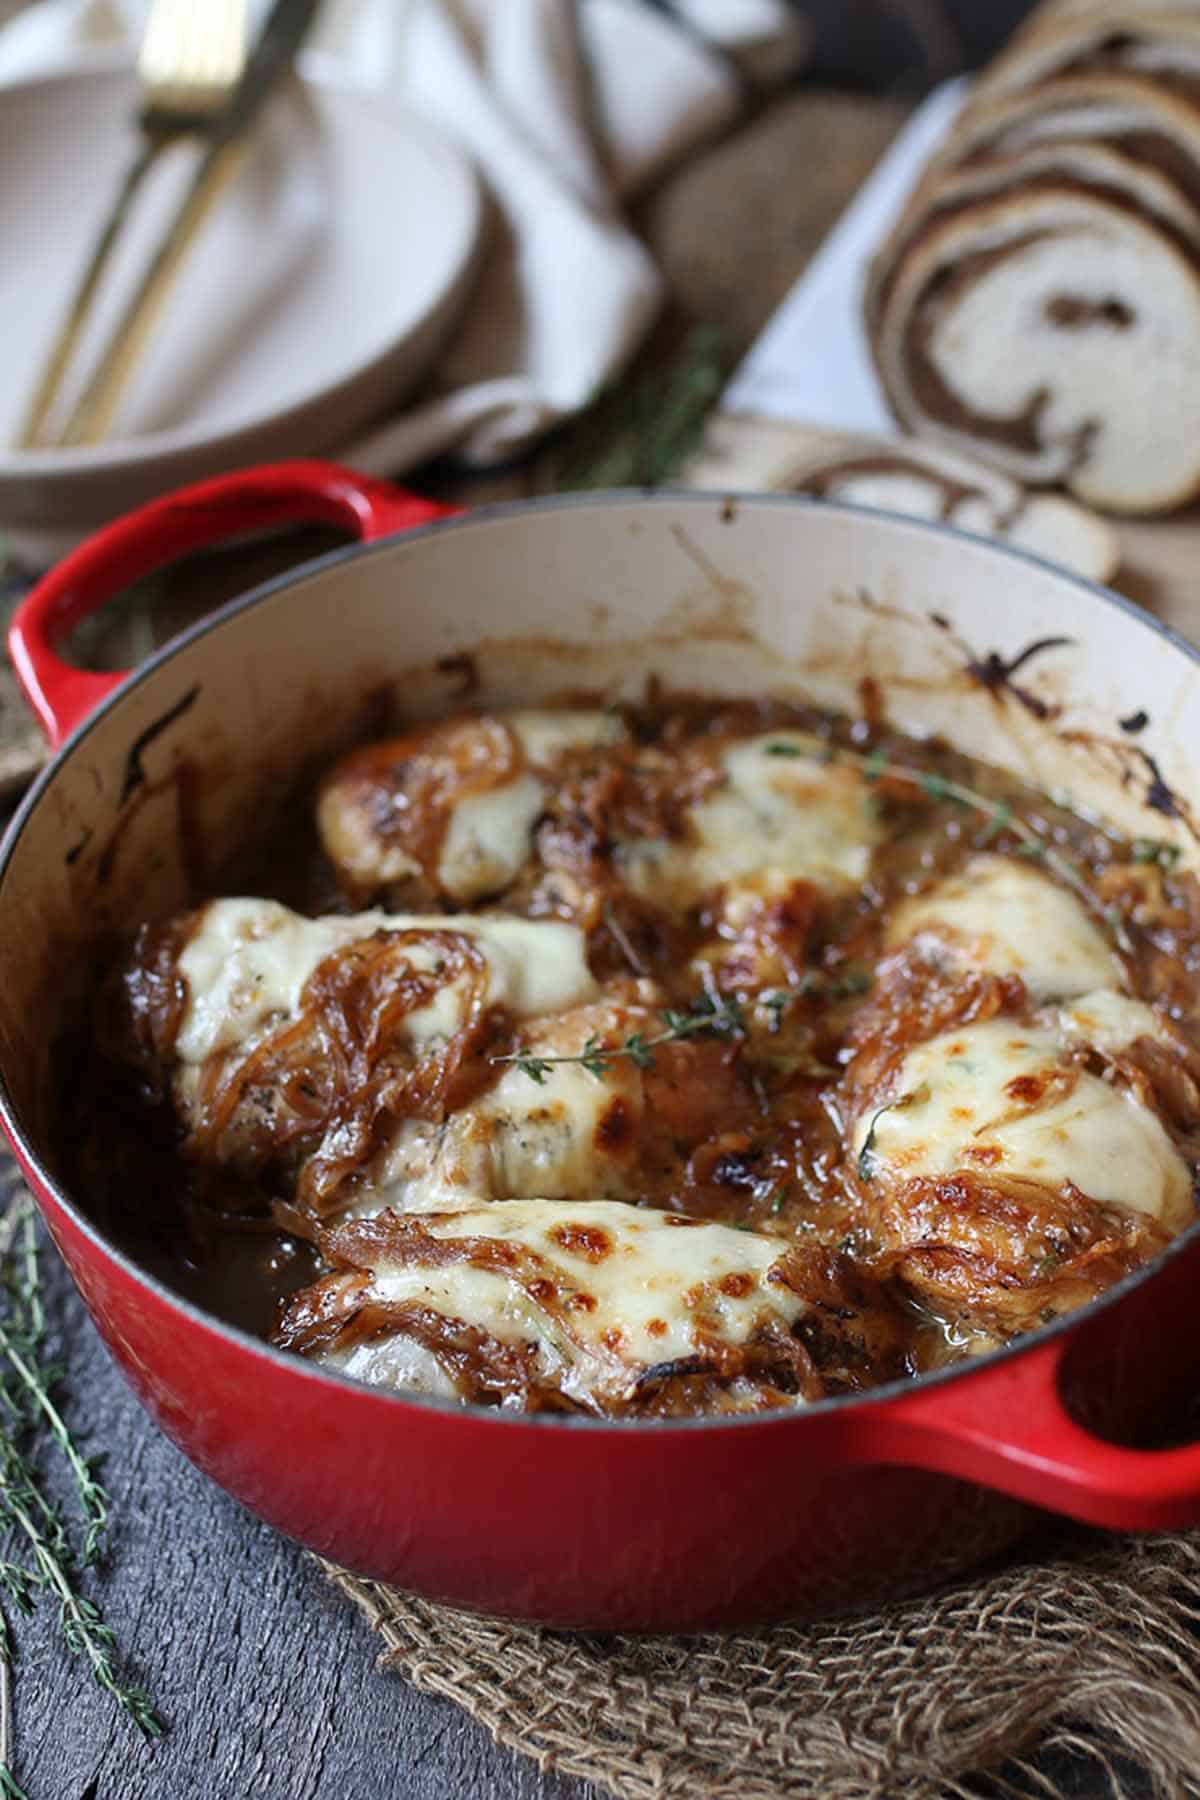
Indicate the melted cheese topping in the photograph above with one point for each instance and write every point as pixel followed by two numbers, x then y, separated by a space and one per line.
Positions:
pixel 1111 1022
pixel 489 835
pixel 1004 918
pixel 544 736
pixel 487 838
pixel 518 1138
pixel 1001 1100
pixel 247 962
pixel 659 1287
pixel 570 1136
pixel 779 814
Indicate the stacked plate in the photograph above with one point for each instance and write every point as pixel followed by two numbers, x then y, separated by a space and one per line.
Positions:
pixel 314 298
pixel 1038 300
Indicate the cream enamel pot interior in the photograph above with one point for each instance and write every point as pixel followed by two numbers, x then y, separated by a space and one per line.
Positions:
pixel 577 1522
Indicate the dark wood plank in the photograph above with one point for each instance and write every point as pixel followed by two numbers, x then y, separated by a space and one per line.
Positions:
pixel 266 1675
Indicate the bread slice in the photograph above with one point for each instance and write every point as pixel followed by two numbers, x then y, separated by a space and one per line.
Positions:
pixel 1152 41
pixel 1093 168
pixel 1056 334
pixel 1054 11
pixel 1154 125
pixel 1035 304
pixel 744 452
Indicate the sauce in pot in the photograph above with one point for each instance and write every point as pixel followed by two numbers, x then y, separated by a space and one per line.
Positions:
pixel 688 1056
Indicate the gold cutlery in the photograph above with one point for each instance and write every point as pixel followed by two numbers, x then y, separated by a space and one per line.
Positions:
pixel 197 80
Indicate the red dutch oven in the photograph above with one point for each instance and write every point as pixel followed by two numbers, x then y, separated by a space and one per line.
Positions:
pixel 162 774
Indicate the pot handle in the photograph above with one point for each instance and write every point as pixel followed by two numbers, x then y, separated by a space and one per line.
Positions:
pixel 192 518
pixel 1009 1428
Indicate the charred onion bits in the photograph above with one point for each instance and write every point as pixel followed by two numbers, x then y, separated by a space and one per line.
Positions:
pixel 677 1058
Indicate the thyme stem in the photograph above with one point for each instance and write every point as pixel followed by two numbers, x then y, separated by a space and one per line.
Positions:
pixel 31 1287
pixel 92 1496
pixel 19 1479
pixel 84 1630
pixel 640 430
pixel 722 1016
pixel 998 814
pixel 44 1557
pixel 710 1013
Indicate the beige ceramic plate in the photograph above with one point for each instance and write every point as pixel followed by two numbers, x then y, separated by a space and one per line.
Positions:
pixel 316 295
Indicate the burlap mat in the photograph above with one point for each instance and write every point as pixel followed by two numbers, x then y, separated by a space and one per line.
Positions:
pixel 1075 1673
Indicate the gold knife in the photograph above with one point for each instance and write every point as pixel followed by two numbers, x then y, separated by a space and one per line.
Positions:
pixel 229 138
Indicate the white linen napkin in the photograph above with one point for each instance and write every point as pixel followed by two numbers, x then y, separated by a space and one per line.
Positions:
pixel 567 109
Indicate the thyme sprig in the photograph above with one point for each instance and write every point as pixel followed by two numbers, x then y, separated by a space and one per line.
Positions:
pixel 640 430
pixel 998 815
pixel 710 1014
pixel 1156 851
pixel 41 1553
pixel 92 1497
pixel 721 1016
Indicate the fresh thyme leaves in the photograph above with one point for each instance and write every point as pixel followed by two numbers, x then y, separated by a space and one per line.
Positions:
pixel 709 1015
pixel 711 1012
pixel 1156 851
pixel 868 1156
pixel 850 983
pixel 638 1051
pixel 92 1497
pixel 640 431
pixel 1001 818
pixel 536 1067
pixel 41 1554
pixel 594 1060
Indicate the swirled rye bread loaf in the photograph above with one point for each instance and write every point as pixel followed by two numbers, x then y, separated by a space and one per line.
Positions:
pixel 1037 303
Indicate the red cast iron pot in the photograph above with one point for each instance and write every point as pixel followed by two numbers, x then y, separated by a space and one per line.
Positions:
pixel 651 1526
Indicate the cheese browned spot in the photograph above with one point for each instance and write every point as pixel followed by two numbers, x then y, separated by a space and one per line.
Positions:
pixel 660 1296
pixel 780 813
pixel 1010 1100
pixel 1005 918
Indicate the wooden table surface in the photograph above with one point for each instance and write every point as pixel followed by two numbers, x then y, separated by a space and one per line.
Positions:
pixel 266 1676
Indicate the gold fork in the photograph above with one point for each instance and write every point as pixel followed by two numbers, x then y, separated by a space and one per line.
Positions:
pixel 191 60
